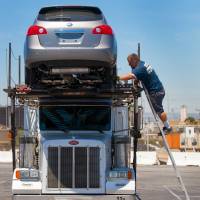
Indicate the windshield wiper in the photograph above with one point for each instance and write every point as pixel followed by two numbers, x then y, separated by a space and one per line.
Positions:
pixel 66 131
pixel 100 131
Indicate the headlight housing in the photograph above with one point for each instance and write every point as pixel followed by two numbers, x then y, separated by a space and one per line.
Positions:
pixel 27 174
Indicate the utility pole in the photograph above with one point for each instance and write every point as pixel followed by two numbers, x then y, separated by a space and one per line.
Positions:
pixel 19 62
pixel 7 86
pixel 19 83
pixel 12 112
pixel 13 129
pixel 9 66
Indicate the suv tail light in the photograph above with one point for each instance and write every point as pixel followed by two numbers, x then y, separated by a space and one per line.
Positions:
pixel 36 30
pixel 103 29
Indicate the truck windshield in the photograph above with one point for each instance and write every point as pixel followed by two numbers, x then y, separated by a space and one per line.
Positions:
pixel 75 118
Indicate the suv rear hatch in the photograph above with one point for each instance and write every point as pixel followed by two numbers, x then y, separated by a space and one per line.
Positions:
pixel 70 26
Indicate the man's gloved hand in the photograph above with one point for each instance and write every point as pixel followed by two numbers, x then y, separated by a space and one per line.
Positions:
pixel 116 78
pixel 136 82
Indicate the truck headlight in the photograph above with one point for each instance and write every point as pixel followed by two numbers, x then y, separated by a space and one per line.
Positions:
pixel 34 173
pixel 24 174
pixel 121 174
pixel 27 174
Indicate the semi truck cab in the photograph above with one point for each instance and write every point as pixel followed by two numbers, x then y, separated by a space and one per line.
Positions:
pixel 75 148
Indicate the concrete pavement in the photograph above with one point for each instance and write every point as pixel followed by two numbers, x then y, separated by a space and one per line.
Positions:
pixel 154 182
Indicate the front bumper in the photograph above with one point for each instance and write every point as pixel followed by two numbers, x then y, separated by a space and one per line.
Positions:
pixel 74 197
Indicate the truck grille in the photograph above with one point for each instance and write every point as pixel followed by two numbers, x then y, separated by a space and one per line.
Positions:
pixel 73 167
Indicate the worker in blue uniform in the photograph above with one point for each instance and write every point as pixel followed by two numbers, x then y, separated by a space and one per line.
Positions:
pixel 144 72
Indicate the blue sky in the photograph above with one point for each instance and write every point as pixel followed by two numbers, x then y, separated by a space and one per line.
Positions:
pixel 169 33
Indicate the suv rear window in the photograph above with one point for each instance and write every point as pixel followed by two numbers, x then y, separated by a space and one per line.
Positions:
pixel 70 13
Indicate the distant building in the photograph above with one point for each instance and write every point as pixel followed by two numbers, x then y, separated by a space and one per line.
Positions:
pixel 183 113
pixel 190 138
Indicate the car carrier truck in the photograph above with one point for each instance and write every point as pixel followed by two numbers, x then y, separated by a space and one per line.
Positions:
pixel 76 143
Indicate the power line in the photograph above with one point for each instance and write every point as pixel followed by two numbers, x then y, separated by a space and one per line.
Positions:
pixel 14 55
pixel 13 80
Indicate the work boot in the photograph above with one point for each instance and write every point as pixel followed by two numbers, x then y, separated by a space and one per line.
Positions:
pixel 167 129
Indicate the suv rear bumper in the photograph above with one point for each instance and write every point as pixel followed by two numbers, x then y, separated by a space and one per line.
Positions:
pixel 74 197
pixel 95 54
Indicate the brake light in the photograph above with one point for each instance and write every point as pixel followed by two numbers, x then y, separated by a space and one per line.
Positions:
pixel 36 30
pixel 103 29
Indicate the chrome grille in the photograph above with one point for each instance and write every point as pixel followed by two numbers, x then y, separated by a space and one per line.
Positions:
pixel 80 167
pixel 73 167
pixel 66 167
pixel 52 167
pixel 94 167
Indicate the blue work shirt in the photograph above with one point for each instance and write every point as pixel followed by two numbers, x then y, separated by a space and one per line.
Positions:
pixel 146 74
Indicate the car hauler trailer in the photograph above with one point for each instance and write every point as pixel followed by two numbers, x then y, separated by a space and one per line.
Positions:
pixel 76 143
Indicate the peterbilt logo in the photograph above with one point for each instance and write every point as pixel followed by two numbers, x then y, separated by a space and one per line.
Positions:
pixel 73 142
pixel 69 24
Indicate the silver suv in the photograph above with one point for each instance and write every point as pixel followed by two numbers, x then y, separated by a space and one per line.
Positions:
pixel 68 45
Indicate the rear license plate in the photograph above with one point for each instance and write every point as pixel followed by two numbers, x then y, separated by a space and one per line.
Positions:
pixel 69 37
pixel 69 41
